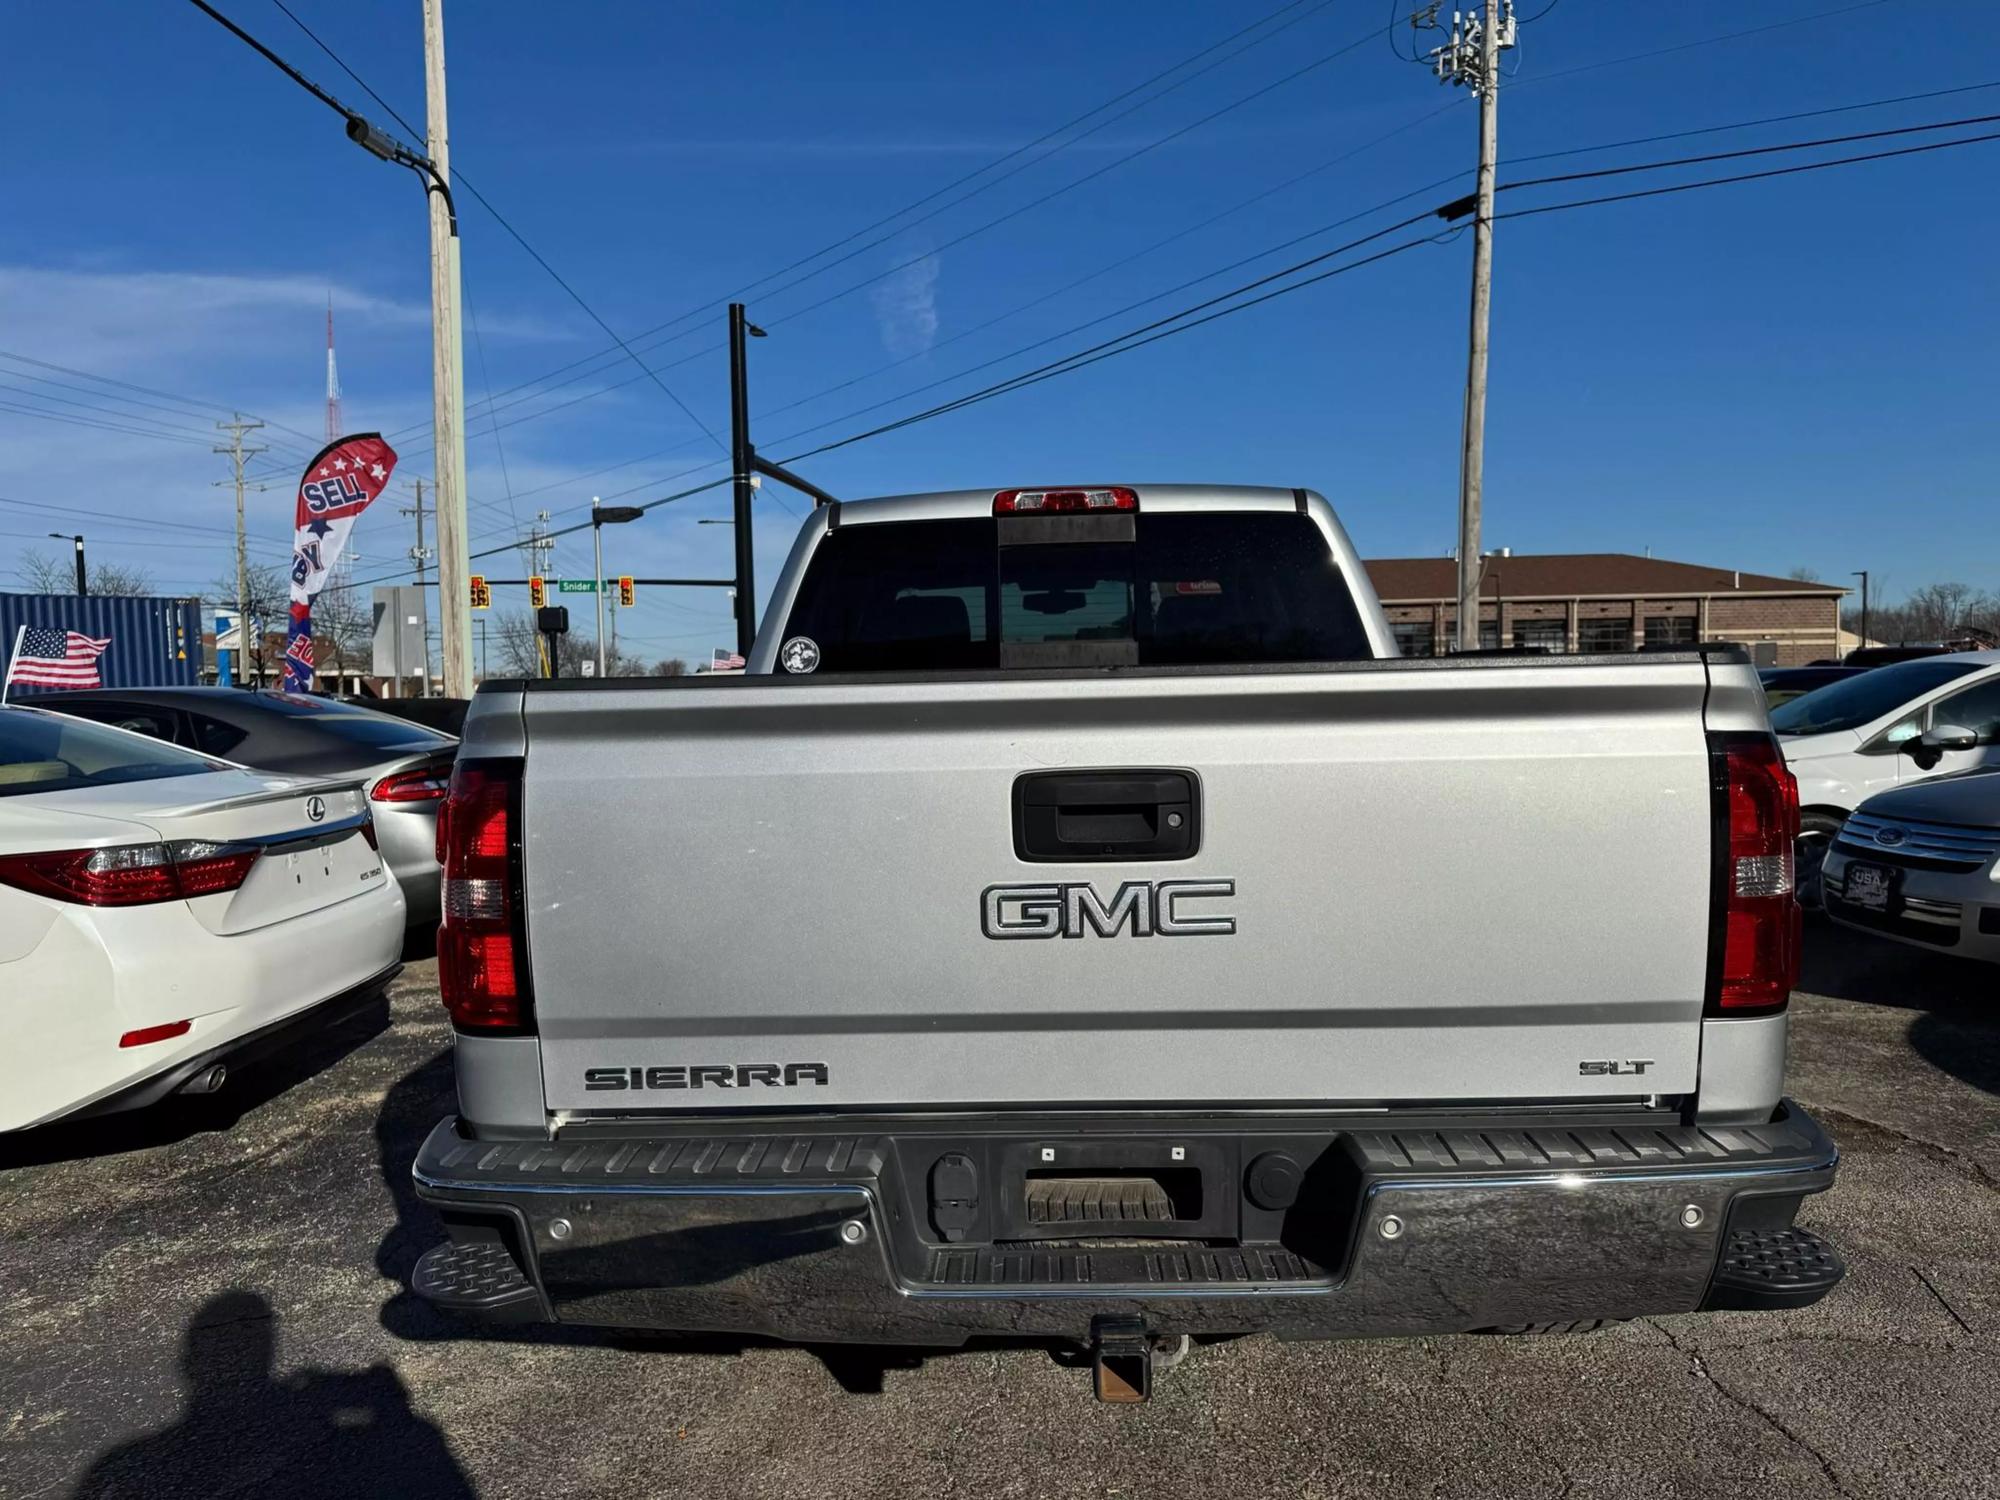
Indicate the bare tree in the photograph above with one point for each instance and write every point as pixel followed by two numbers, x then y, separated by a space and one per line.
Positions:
pixel 1936 612
pixel 1804 575
pixel 1941 611
pixel 673 666
pixel 343 632
pixel 46 574
pixel 270 601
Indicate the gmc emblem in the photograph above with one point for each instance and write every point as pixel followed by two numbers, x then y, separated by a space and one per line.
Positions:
pixel 1147 908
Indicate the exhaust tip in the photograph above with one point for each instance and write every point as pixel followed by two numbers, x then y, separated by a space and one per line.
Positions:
pixel 207 1081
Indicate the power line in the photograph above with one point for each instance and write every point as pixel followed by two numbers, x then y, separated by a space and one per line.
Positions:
pixel 121 413
pixel 1707 41
pixel 1701 42
pixel 56 416
pixel 1124 343
pixel 1183 321
pixel 1014 213
pixel 1047 136
pixel 68 510
pixel 1713 156
pixel 1811 166
pixel 1402 197
pixel 497 216
pixel 145 390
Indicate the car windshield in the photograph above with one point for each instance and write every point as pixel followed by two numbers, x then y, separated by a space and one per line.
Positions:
pixel 55 753
pixel 1856 701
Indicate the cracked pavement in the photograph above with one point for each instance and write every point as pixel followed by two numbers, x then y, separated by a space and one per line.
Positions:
pixel 209 1301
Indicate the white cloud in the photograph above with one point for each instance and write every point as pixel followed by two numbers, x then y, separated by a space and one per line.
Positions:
pixel 98 318
pixel 905 306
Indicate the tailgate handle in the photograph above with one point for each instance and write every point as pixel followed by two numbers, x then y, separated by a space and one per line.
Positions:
pixel 1066 817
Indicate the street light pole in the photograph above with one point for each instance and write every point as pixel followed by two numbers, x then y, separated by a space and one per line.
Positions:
pixel 82 585
pixel 597 548
pixel 1862 574
pixel 602 516
pixel 740 463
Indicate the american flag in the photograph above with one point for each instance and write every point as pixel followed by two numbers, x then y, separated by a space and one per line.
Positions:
pixel 724 661
pixel 56 658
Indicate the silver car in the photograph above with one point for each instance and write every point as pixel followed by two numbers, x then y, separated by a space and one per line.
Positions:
pixel 1921 864
pixel 405 766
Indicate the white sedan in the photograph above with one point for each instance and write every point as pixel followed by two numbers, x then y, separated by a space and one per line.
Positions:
pixel 163 914
pixel 1883 728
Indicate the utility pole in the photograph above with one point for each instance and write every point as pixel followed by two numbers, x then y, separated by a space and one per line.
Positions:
pixel 1862 574
pixel 447 382
pixel 420 555
pixel 237 455
pixel 1472 58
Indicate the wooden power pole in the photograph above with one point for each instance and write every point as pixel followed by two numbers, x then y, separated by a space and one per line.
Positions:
pixel 1472 58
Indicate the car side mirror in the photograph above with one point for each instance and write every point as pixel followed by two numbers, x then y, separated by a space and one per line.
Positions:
pixel 1948 737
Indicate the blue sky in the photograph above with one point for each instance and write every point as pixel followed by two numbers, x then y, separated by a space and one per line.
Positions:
pixel 1793 373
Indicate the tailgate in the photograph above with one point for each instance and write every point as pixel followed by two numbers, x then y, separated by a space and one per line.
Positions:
pixel 1412 883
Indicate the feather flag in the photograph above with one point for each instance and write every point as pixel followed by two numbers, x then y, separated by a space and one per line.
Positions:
pixel 342 481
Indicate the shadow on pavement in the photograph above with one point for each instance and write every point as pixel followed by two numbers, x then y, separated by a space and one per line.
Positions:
pixel 1957 1025
pixel 413 1105
pixel 179 1117
pixel 248 1431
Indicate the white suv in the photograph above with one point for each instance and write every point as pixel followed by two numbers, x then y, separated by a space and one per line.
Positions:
pixel 1889 727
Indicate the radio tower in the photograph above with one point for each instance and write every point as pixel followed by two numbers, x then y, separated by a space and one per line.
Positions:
pixel 332 378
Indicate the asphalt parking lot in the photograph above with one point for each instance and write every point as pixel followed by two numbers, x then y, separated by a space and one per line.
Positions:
pixel 209 1301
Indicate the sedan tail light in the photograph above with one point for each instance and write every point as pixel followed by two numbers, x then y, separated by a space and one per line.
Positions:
pixel 482 941
pixel 1756 815
pixel 132 874
pixel 425 784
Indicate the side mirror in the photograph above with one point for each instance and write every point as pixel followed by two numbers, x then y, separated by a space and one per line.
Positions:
pixel 1948 737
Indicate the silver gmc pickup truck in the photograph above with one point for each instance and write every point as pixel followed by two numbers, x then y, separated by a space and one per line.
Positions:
pixel 1079 925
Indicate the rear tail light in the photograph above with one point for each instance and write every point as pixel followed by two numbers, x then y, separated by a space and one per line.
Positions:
pixel 1756 812
pixel 425 784
pixel 203 868
pixel 132 874
pixel 482 941
pixel 1048 502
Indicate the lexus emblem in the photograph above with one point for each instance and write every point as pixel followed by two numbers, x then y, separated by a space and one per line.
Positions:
pixel 1891 836
pixel 316 808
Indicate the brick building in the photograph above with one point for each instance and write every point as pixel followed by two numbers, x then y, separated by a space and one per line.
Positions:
pixel 1609 601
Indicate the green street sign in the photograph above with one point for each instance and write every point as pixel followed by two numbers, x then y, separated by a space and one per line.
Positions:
pixel 576 586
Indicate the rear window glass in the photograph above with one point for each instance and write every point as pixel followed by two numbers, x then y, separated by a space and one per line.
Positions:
pixel 378 731
pixel 1148 590
pixel 355 725
pixel 55 753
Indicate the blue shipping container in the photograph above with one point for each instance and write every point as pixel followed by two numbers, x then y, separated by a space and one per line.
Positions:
pixel 154 642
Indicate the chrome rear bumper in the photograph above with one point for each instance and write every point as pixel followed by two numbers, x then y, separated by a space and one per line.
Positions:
pixel 803 1234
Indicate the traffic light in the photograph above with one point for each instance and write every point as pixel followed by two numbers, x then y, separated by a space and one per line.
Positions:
pixel 482 596
pixel 626 593
pixel 536 594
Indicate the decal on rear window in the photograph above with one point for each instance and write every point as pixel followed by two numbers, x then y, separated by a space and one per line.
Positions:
pixel 799 654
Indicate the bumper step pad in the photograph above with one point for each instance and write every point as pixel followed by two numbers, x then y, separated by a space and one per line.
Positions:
pixel 1761 1269
pixel 482 1279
